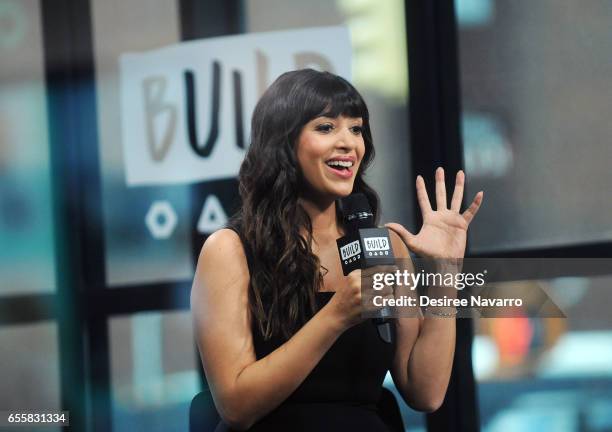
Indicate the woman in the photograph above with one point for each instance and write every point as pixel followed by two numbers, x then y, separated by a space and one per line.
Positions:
pixel 279 328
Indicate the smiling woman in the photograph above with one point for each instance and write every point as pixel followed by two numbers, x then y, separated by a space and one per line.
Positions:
pixel 329 152
pixel 289 330
pixel 302 122
pixel 284 346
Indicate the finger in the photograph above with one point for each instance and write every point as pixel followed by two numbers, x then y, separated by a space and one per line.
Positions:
pixel 469 214
pixel 355 277
pixel 355 273
pixel 406 236
pixel 458 192
pixel 422 197
pixel 440 190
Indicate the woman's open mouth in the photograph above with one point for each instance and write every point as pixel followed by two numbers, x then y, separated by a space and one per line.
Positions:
pixel 340 168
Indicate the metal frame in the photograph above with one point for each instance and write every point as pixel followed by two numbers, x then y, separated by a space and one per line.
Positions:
pixel 436 141
pixel 68 74
pixel 201 19
pixel 585 250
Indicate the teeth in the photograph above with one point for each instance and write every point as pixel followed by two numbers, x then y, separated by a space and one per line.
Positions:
pixel 345 164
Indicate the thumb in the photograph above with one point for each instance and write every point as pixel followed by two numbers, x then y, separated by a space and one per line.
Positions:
pixel 405 235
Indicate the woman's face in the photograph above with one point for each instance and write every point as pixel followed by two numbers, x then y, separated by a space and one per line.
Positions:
pixel 330 151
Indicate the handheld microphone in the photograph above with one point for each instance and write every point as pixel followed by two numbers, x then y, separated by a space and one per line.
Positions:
pixel 364 246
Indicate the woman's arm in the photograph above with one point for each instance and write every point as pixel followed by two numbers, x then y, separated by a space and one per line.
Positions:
pixel 245 389
pixel 424 351
pixel 424 358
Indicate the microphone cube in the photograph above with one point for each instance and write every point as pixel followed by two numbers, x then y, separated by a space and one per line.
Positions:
pixel 365 248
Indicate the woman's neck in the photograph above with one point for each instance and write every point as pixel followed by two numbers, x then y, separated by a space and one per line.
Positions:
pixel 323 219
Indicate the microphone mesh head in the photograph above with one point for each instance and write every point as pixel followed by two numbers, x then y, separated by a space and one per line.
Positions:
pixel 354 203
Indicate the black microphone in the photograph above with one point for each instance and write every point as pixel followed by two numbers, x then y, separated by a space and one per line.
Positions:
pixel 364 246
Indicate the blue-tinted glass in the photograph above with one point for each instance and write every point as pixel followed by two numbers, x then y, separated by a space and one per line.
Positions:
pixel 30 367
pixel 153 367
pixel 134 216
pixel 535 95
pixel 26 222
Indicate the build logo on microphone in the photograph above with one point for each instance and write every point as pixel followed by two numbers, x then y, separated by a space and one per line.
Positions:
pixel 351 252
pixel 377 246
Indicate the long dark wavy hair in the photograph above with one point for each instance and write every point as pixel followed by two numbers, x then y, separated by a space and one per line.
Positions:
pixel 285 273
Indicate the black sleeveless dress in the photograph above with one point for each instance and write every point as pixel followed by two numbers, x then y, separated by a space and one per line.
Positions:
pixel 342 391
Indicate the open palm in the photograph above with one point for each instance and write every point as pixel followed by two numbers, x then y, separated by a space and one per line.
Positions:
pixel 444 231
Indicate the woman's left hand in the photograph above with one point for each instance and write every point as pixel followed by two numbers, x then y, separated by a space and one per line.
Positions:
pixel 444 231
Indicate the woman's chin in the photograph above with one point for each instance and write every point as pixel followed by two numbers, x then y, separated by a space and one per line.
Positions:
pixel 343 192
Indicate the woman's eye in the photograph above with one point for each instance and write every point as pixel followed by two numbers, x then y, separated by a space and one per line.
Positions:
pixel 357 130
pixel 324 128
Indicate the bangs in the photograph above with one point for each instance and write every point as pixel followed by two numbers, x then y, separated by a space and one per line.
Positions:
pixel 335 97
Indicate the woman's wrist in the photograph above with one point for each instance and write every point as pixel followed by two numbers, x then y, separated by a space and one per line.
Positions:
pixel 441 311
pixel 332 319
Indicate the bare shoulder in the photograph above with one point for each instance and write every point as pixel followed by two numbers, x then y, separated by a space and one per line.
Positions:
pixel 224 242
pixel 222 260
pixel 221 246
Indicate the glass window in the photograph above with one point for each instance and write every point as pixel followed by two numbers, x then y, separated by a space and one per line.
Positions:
pixel 153 367
pixel 549 373
pixel 133 253
pixel 535 93
pixel 379 72
pixel 26 219
pixel 536 134
pixel 30 367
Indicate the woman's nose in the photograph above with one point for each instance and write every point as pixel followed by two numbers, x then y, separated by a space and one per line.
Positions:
pixel 347 140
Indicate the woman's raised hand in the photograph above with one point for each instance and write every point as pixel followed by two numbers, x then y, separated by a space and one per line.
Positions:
pixel 444 230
